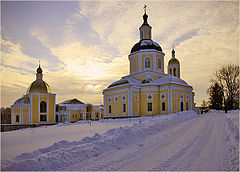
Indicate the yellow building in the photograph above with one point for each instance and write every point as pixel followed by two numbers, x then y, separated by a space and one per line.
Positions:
pixel 147 90
pixel 74 110
pixel 37 106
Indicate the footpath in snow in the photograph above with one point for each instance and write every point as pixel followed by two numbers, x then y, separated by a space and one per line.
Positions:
pixel 168 142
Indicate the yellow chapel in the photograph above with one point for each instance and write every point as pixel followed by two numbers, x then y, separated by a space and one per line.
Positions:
pixel 37 106
pixel 148 90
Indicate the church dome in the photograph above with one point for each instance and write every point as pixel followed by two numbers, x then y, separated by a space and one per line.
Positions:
pixel 39 69
pixel 39 86
pixel 173 61
pixel 146 44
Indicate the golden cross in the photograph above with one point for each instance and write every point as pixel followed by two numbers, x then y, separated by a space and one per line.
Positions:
pixel 172 46
pixel 145 6
pixel 39 62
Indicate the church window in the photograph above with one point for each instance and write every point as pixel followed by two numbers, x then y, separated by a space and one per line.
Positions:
pixel 109 109
pixel 174 71
pixel 43 117
pixel 182 106
pixel 170 71
pixel 159 64
pixel 163 106
pixel 186 106
pixel 149 106
pixel 43 107
pixel 123 98
pixel 75 115
pixel 124 108
pixel 162 97
pixel 17 118
pixel 149 97
pixel 72 115
pixel 147 62
pixel 116 99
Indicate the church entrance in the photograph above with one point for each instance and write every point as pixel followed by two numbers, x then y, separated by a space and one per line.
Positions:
pixel 89 113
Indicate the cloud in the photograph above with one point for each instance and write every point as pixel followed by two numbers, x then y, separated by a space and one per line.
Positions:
pixel 84 46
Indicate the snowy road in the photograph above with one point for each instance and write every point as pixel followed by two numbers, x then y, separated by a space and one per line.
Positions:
pixel 195 144
pixel 190 142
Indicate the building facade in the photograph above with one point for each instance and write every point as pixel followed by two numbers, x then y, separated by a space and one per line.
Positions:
pixel 147 90
pixel 74 110
pixel 37 106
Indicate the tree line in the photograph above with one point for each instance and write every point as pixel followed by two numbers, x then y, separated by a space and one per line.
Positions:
pixel 224 89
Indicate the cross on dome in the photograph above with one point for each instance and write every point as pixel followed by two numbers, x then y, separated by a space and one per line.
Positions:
pixel 145 8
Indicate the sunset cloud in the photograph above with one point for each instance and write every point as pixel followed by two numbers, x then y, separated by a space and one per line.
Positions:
pixel 84 46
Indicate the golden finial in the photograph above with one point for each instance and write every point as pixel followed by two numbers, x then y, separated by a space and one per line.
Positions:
pixel 39 62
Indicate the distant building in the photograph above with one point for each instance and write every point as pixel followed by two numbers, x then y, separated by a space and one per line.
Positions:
pixel 74 110
pixel 37 106
pixel 5 115
pixel 147 90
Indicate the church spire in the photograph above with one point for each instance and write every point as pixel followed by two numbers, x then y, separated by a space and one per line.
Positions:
pixel 145 16
pixel 173 51
pixel 39 74
pixel 145 29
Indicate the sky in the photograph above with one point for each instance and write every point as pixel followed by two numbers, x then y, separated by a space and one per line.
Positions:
pixel 84 45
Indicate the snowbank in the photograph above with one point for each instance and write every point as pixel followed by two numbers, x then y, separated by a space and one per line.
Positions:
pixel 63 154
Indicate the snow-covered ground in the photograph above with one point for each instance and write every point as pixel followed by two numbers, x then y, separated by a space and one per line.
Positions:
pixel 168 142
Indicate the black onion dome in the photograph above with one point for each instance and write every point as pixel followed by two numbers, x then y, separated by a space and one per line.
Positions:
pixel 146 44
pixel 39 70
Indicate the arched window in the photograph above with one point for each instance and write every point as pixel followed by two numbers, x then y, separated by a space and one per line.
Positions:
pixel 170 71
pixel 17 118
pixel 147 62
pixel 159 63
pixel 174 71
pixel 43 107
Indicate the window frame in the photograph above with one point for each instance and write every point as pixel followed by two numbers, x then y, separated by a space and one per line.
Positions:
pixel 147 63
pixel 17 118
pixel 149 107
pixel 43 107
pixel 124 108
pixel 163 108
pixel 159 66
pixel 109 109
pixel 41 116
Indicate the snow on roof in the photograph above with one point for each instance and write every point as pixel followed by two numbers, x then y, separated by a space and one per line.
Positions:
pixel 22 101
pixel 98 107
pixel 126 80
pixel 169 79
pixel 74 106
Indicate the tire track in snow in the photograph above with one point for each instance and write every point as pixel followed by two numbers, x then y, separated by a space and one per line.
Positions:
pixel 121 158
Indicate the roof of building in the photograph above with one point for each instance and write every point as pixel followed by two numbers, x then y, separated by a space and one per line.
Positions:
pixel 22 101
pixel 173 61
pixel 72 101
pixel 39 86
pixel 146 44
pixel 119 82
pixel 170 79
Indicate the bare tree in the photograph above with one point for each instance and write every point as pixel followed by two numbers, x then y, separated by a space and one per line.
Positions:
pixel 228 79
